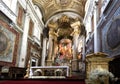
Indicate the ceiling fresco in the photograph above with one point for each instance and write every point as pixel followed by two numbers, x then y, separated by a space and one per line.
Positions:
pixel 52 7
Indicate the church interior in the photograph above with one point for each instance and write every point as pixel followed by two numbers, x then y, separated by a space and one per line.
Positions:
pixel 60 39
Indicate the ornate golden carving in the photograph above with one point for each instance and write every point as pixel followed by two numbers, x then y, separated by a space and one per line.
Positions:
pixel 64 18
pixel 76 27
pixel 63 3
pixel 52 24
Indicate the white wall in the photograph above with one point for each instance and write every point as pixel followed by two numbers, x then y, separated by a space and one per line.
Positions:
pixel 35 16
pixel 38 11
pixel 8 2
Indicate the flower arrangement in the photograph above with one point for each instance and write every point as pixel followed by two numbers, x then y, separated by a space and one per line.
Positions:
pixel 100 75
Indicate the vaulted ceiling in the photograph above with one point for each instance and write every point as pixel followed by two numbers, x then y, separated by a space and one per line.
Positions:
pixel 51 7
pixel 62 13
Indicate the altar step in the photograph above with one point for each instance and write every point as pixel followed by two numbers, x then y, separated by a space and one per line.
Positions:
pixel 43 81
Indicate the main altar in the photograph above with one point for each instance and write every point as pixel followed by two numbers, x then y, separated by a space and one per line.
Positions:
pixel 63 50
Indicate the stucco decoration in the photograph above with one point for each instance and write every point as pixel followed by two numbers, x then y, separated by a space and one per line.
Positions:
pixel 51 7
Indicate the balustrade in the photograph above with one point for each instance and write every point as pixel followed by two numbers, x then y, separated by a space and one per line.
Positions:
pixel 49 72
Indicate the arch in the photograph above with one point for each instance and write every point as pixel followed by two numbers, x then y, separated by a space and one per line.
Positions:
pixel 58 72
pixel 41 9
pixel 38 72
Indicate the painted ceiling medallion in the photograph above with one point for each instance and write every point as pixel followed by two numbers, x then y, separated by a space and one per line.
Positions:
pixel 50 8
pixel 63 3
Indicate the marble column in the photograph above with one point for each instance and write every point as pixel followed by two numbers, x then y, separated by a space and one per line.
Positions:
pixel 75 33
pixel 44 51
pixel 96 42
pixel 23 51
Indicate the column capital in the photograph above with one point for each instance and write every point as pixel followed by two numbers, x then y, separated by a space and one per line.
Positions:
pixel 76 27
pixel 75 24
pixel 53 34
pixel 52 25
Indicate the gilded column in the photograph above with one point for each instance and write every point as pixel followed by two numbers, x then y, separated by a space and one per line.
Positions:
pixel 49 58
pixel 75 35
pixel 55 47
pixel 52 26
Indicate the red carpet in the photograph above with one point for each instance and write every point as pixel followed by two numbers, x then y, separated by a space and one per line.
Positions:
pixel 41 82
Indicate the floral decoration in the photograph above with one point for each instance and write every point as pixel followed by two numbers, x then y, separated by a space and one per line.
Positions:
pixel 100 74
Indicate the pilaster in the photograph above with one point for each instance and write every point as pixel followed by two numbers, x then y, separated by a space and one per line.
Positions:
pixel 24 42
